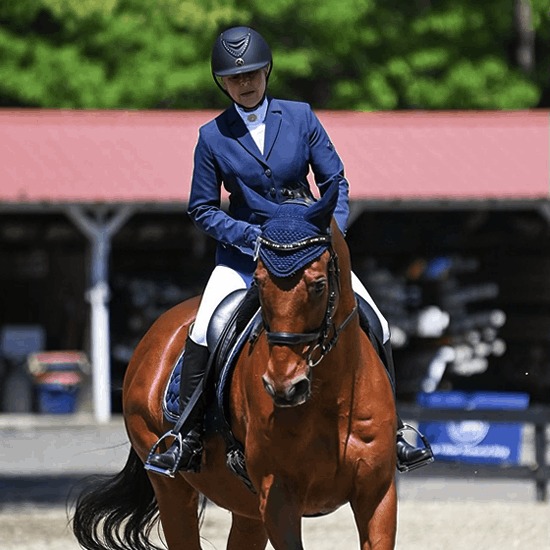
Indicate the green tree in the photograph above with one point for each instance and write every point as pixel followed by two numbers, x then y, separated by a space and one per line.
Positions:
pixel 108 53
pixel 338 54
pixel 417 54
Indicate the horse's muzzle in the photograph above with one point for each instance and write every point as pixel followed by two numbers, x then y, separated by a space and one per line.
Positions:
pixel 293 394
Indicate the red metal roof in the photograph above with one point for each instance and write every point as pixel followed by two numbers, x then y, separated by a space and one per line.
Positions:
pixel 137 156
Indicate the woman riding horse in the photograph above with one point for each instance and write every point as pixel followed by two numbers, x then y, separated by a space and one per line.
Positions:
pixel 269 146
pixel 309 400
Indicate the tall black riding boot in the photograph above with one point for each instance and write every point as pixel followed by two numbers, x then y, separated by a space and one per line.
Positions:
pixel 409 457
pixel 186 450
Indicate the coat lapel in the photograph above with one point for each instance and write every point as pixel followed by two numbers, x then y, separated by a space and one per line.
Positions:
pixel 238 128
pixel 272 125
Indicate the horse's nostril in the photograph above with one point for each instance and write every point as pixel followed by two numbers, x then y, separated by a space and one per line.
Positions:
pixel 294 394
pixel 268 387
pixel 301 388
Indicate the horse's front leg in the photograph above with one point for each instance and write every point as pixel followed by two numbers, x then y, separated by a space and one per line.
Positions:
pixel 281 515
pixel 376 518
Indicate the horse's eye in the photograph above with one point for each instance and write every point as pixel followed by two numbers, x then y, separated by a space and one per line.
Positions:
pixel 319 286
pixel 258 280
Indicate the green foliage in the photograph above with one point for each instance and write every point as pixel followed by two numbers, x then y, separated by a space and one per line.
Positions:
pixel 335 54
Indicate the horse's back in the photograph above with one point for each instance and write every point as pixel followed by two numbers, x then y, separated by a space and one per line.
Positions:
pixel 164 333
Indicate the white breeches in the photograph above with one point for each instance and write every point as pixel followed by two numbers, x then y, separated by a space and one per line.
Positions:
pixel 225 280
pixel 221 283
pixel 360 289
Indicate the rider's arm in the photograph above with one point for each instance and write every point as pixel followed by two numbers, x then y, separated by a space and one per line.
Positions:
pixel 328 168
pixel 205 200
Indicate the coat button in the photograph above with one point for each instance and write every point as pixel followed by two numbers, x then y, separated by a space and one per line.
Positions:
pixel 273 191
pixel 268 172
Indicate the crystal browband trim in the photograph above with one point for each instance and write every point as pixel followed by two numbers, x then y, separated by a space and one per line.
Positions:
pixel 286 247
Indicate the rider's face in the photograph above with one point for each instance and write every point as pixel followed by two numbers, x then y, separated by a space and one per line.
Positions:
pixel 246 89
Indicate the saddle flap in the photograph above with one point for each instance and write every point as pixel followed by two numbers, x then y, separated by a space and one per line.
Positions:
pixel 229 321
pixel 221 317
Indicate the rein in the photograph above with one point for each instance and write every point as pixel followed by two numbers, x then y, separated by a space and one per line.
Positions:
pixel 319 340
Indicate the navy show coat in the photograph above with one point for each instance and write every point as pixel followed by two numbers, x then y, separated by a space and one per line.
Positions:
pixel 226 154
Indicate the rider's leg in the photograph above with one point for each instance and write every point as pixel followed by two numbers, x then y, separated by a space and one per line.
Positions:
pixel 186 453
pixel 359 288
pixel 408 456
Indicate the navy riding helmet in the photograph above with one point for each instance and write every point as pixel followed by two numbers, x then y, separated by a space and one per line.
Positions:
pixel 239 50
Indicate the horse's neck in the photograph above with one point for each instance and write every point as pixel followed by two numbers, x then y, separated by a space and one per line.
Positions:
pixel 353 363
pixel 337 371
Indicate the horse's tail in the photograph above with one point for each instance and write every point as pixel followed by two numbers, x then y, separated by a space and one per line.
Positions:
pixel 117 512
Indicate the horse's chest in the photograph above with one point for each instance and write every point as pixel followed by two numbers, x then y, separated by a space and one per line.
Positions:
pixel 314 464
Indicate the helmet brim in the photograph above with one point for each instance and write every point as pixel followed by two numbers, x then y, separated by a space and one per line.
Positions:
pixel 241 70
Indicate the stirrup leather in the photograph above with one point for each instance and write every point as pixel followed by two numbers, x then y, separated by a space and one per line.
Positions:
pixel 168 472
pixel 424 461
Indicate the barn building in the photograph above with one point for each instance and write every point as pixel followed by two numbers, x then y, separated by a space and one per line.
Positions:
pixel 450 213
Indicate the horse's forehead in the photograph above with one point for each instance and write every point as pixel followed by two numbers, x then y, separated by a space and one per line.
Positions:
pixel 289 241
pixel 313 268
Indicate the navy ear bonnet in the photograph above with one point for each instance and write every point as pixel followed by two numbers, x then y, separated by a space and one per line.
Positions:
pixel 295 232
pixel 304 240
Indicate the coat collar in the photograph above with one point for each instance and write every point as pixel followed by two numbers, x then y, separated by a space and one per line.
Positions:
pixel 272 126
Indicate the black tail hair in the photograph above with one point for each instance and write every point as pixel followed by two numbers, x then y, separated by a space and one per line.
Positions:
pixel 117 512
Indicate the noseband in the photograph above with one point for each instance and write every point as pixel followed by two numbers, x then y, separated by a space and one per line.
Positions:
pixel 320 341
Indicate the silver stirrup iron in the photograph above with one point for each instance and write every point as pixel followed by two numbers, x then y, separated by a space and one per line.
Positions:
pixel 168 472
pixel 419 463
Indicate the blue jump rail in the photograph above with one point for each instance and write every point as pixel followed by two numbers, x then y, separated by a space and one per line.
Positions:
pixel 538 415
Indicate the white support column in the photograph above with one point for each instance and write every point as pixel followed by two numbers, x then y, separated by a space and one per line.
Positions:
pixel 99 227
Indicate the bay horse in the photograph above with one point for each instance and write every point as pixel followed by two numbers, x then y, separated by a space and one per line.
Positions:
pixel 310 401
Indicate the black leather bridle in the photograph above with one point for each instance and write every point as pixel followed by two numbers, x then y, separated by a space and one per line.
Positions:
pixel 320 340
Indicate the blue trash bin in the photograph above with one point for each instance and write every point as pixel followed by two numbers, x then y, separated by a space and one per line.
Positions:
pixel 474 441
pixel 57 392
pixel 57 398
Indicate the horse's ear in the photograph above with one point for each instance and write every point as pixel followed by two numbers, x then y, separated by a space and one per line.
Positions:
pixel 260 206
pixel 320 213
